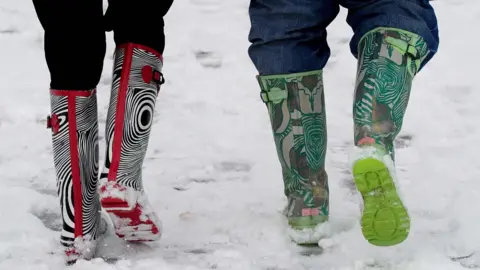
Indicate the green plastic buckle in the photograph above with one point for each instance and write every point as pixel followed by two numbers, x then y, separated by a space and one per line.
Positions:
pixel 275 95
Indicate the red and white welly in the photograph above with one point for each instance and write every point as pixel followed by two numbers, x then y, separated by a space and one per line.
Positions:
pixel 136 82
pixel 74 126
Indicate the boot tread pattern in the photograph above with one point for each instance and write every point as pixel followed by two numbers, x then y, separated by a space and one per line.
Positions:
pixel 385 221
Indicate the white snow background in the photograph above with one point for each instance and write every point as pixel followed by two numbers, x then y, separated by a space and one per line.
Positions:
pixel 211 170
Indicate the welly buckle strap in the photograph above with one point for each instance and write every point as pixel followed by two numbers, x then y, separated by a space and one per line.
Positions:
pixel 274 95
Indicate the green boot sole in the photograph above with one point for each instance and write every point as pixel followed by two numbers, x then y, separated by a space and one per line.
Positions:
pixel 385 221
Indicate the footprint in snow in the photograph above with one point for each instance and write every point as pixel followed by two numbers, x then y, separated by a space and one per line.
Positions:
pixel 208 59
pixel 9 31
pixel 222 171
pixel 403 141
pixel 51 219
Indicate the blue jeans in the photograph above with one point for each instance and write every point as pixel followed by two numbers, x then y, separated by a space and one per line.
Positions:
pixel 289 36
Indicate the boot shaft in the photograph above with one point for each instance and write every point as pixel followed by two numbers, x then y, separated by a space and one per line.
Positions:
pixel 74 126
pixel 388 62
pixel 136 82
pixel 297 112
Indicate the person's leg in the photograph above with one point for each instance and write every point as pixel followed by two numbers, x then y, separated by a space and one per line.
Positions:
pixel 413 16
pixel 140 40
pixel 74 42
pixel 74 50
pixel 289 50
pixel 393 40
pixel 139 23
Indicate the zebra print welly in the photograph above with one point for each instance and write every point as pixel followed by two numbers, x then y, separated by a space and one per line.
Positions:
pixel 74 126
pixel 136 82
pixel 130 114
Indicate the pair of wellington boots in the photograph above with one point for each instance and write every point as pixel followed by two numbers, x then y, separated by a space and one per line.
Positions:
pixel 117 191
pixel 388 60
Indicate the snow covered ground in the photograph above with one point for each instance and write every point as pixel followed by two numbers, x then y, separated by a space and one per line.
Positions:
pixel 211 170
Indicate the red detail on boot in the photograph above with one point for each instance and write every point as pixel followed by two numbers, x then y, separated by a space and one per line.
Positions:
pixel 157 76
pixel 135 217
pixel 132 215
pixel 120 112
pixel 155 230
pixel 141 47
pixel 114 186
pixel 310 212
pixel 72 254
pixel 72 93
pixel 130 221
pixel 366 141
pixel 77 181
pixel 113 202
pixel 147 74
pixel 53 123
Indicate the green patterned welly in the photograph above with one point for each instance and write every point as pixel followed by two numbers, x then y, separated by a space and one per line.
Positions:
pixel 387 63
pixel 296 106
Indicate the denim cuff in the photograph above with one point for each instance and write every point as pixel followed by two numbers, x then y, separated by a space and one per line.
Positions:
pixel 414 25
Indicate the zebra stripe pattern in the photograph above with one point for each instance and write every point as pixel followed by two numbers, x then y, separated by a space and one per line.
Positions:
pixel 75 150
pixel 130 113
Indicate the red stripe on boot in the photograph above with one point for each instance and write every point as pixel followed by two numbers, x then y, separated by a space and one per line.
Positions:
pixel 74 162
pixel 142 47
pixel 72 93
pixel 120 112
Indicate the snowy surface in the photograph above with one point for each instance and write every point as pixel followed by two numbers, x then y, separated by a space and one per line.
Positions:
pixel 212 173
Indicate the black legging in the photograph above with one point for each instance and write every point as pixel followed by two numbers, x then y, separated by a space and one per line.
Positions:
pixel 75 35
